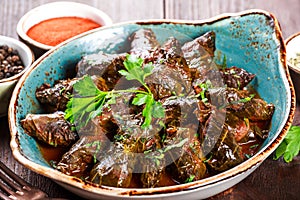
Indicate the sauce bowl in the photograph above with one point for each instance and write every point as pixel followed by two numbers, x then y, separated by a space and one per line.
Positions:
pixel 56 10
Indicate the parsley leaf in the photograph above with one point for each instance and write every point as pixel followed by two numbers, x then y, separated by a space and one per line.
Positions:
pixel 140 99
pixel 147 111
pixel 158 110
pixel 86 87
pixel 290 146
pixel 88 102
pixel 152 108
pixel 134 69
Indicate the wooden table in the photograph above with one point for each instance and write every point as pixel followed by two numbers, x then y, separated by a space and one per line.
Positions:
pixel 272 180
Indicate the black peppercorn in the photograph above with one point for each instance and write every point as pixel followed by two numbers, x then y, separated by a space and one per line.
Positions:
pixel 10 62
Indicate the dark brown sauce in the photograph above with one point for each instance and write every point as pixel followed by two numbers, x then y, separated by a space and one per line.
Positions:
pixel 51 153
pixel 165 180
pixel 251 147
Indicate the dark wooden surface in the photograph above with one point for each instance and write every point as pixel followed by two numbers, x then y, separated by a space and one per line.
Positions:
pixel 272 180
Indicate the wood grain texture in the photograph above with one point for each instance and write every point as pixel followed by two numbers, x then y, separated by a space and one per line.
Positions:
pixel 285 11
pixel 118 10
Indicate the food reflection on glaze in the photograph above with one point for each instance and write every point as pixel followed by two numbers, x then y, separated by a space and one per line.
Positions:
pixel 212 121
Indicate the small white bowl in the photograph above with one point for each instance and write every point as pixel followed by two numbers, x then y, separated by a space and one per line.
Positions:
pixel 55 10
pixel 7 84
pixel 293 54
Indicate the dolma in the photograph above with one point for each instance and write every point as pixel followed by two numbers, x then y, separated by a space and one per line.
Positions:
pixel 142 43
pixel 198 54
pixel 81 157
pixel 115 168
pixel 102 65
pixel 185 155
pixel 52 129
pixel 55 98
pixel 235 77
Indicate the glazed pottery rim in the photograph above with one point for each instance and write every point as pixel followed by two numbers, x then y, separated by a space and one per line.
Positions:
pixel 24 48
pixel 22 34
pixel 157 192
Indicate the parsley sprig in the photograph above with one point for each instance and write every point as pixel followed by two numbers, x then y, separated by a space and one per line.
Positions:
pixel 90 101
pixel 134 71
pixel 290 146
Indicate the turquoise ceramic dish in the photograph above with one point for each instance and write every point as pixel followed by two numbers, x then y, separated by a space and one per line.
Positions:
pixel 251 39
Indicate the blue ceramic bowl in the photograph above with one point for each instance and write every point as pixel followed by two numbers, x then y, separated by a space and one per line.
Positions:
pixel 251 39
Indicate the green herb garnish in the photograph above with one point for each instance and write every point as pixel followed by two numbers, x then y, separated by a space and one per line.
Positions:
pixel 254 146
pixel 190 179
pixel 246 99
pixel 160 153
pixel 87 104
pixel 97 145
pixel 247 155
pixel 290 146
pixel 90 101
pixel 177 145
pixel 204 87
